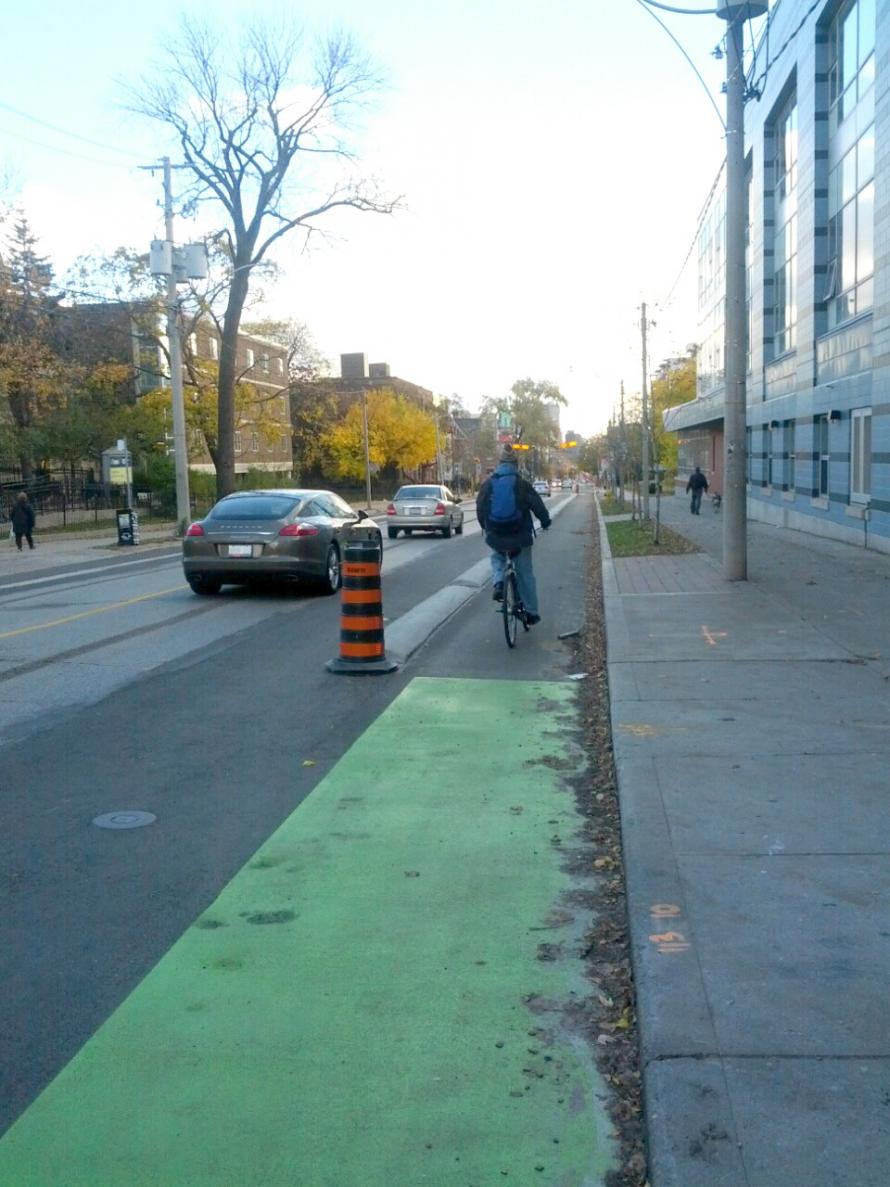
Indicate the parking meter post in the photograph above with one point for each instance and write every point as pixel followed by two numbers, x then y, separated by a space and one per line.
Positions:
pixel 362 647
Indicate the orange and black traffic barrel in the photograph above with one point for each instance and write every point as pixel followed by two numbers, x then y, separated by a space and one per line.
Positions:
pixel 362 648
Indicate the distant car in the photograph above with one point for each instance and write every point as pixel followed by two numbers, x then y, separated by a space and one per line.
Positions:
pixel 424 508
pixel 542 486
pixel 292 535
pixel 566 484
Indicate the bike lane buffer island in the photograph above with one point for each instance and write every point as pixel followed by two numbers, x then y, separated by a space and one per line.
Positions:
pixel 382 995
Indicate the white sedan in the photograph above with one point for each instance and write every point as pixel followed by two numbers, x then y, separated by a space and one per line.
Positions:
pixel 427 508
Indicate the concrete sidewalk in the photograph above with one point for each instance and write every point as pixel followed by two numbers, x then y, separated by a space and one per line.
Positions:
pixel 752 740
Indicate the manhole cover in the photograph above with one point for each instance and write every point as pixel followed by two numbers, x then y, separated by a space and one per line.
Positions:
pixel 124 819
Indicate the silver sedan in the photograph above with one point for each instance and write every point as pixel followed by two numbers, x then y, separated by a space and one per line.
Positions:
pixel 256 534
pixel 424 508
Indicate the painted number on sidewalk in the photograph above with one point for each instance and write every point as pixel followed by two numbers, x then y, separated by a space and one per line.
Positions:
pixel 667 941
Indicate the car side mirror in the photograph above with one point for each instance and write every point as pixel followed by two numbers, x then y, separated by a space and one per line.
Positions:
pixel 363 515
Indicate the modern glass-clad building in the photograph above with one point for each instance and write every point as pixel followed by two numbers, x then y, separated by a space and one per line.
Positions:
pixel 818 266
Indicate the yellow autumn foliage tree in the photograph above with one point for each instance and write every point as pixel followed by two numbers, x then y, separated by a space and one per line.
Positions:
pixel 399 434
pixel 675 385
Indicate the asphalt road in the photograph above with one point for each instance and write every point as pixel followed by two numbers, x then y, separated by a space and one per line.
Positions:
pixel 120 690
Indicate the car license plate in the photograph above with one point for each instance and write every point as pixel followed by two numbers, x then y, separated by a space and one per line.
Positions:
pixel 415 511
pixel 240 550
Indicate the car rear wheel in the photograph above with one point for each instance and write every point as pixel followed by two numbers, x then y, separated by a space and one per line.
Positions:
pixel 392 533
pixel 448 529
pixel 204 585
pixel 459 530
pixel 331 579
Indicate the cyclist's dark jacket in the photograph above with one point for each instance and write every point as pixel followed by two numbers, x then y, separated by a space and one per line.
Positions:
pixel 528 501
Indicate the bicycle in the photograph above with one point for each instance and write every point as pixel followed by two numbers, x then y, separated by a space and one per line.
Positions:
pixel 511 607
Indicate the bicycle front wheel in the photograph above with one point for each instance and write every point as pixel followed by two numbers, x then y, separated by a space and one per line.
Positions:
pixel 509 608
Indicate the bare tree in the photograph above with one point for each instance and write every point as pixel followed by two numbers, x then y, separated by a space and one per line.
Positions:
pixel 242 131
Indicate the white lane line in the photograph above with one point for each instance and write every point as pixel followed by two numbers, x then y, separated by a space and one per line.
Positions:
pixel 143 560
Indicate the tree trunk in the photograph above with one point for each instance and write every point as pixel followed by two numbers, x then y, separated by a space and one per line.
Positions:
pixel 228 378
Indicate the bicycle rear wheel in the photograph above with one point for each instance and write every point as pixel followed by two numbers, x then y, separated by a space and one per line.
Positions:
pixel 508 608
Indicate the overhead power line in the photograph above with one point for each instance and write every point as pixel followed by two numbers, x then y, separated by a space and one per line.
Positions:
pixel 68 152
pixel 25 115
pixel 645 5
pixel 761 79
pixel 699 224
pixel 683 11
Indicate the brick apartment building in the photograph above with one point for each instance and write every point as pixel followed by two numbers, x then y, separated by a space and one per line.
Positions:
pixel 136 336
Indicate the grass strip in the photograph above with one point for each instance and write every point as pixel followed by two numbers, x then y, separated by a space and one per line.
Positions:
pixel 635 538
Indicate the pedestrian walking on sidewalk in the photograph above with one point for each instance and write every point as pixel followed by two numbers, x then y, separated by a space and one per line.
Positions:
pixel 22 521
pixel 698 484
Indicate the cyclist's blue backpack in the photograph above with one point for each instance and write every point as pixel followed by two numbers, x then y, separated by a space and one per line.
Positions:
pixel 504 513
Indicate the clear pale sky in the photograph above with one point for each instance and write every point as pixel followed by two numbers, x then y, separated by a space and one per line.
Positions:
pixel 553 159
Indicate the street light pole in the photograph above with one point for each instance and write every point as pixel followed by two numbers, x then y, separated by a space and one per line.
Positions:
pixel 180 448
pixel 645 419
pixel 735 539
pixel 367 444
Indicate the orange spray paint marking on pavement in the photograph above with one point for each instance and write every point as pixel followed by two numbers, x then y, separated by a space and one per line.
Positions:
pixel 668 941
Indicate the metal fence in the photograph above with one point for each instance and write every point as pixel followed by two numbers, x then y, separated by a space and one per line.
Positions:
pixel 73 501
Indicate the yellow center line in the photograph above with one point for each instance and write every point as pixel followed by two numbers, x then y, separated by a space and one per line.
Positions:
pixel 42 626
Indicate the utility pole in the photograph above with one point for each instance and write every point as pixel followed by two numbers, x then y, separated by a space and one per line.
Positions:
pixel 367 443
pixel 180 447
pixel 645 418
pixel 735 536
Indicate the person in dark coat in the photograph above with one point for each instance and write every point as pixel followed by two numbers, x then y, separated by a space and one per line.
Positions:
pixel 504 538
pixel 22 520
pixel 698 484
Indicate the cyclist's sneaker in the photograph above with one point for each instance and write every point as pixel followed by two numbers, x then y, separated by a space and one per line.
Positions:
pixel 498 592
pixel 532 619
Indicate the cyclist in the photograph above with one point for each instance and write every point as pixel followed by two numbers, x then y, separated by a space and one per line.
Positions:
pixel 504 508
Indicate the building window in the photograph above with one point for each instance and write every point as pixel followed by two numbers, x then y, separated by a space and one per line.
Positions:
pixel 237 440
pixel 822 454
pixel 279 363
pixel 789 454
pixel 249 356
pixel 214 348
pixel 785 239
pixel 772 463
pixel 264 364
pixel 851 188
pixel 860 455
pixel 851 57
pixel 254 443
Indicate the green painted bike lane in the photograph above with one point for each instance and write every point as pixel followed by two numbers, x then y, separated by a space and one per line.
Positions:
pixel 365 1004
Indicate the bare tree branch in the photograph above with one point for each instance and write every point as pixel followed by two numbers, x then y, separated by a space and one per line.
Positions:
pixel 260 129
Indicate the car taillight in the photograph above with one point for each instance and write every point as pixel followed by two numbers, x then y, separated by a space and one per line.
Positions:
pixel 299 529
pixel 440 509
pixel 391 509
pixel 195 529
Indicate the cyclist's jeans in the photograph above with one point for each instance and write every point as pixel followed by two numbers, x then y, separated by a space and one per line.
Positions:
pixel 525 575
